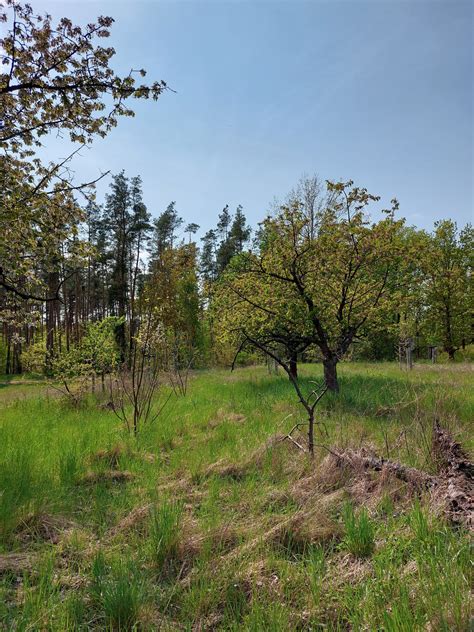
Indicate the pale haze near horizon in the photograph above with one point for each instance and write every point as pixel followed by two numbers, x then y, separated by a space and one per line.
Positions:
pixel 380 93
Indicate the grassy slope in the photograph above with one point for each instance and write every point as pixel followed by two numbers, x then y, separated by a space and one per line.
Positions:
pixel 211 530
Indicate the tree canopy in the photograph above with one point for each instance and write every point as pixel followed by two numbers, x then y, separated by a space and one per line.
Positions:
pixel 313 285
pixel 55 77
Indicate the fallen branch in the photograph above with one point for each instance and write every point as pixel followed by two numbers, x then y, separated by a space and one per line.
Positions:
pixel 452 490
pixel 360 460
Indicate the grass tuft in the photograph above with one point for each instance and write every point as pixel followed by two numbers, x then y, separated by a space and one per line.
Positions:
pixel 359 532
pixel 164 533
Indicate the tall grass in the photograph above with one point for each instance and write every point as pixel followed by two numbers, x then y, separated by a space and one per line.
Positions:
pixel 118 593
pixel 360 532
pixel 164 533
pixel 416 576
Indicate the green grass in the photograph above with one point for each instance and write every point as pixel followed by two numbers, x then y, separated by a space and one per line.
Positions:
pixel 360 532
pixel 209 528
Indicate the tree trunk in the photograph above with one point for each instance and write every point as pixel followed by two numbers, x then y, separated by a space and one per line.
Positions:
pixel 294 365
pixel 120 337
pixel 451 351
pixel 330 374
pixel 311 434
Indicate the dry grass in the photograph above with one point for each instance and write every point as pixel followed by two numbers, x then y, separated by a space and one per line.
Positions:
pixel 17 563
pixel 108 476
pixel 43 527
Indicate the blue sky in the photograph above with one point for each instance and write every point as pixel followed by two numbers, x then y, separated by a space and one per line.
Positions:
pixel 378 92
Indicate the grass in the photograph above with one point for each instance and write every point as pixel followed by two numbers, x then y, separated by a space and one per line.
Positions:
pixel 360 532
pixel 164 533
pixel 210 528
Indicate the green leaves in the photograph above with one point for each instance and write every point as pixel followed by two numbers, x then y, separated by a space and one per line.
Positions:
pixel 314 285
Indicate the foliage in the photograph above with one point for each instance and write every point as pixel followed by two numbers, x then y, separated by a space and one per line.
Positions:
pixel 448 265
pixel 55 78
pixel 172 289
pixel 96 356
pixel 313 286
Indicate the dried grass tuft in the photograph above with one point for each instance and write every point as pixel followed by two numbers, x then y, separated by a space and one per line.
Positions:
pixel 17 563
pixel 135 520
pixel 306 529
pixel 44 527
pixel 224 469
pixel 111 457
pixel 345 568
pixel 108 476
pixel 224 416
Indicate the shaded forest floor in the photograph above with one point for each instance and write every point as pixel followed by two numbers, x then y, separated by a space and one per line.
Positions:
pixel 208 521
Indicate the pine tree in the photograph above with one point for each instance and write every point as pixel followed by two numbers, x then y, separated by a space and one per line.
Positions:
pixel 208 266
pixel 164 232
pixel 191 229
pixel 233 238
pixel 126 221
pixel 239 232
pixel 223 223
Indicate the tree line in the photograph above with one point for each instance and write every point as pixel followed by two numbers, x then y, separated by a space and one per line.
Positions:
pixel 318 280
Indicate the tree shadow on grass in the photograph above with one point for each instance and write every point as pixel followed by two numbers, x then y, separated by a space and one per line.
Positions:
pixel 360 393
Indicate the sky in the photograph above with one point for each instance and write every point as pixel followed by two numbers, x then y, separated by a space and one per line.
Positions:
pixel 379 92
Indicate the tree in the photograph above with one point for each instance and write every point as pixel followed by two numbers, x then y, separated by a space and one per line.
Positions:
pixel 239 231
pixel 172 292
pixel 301 291
pixel 127 223
pixel 135 397
pixel 448 263
pixel 234 235
pixel 96 355
pixel 165 227
pixel 313 197
pixel 55 78
pixel 208 266
pixel 191 229
pixel 223 223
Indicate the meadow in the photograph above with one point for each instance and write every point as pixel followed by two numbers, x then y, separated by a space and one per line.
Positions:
pixel 208 520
